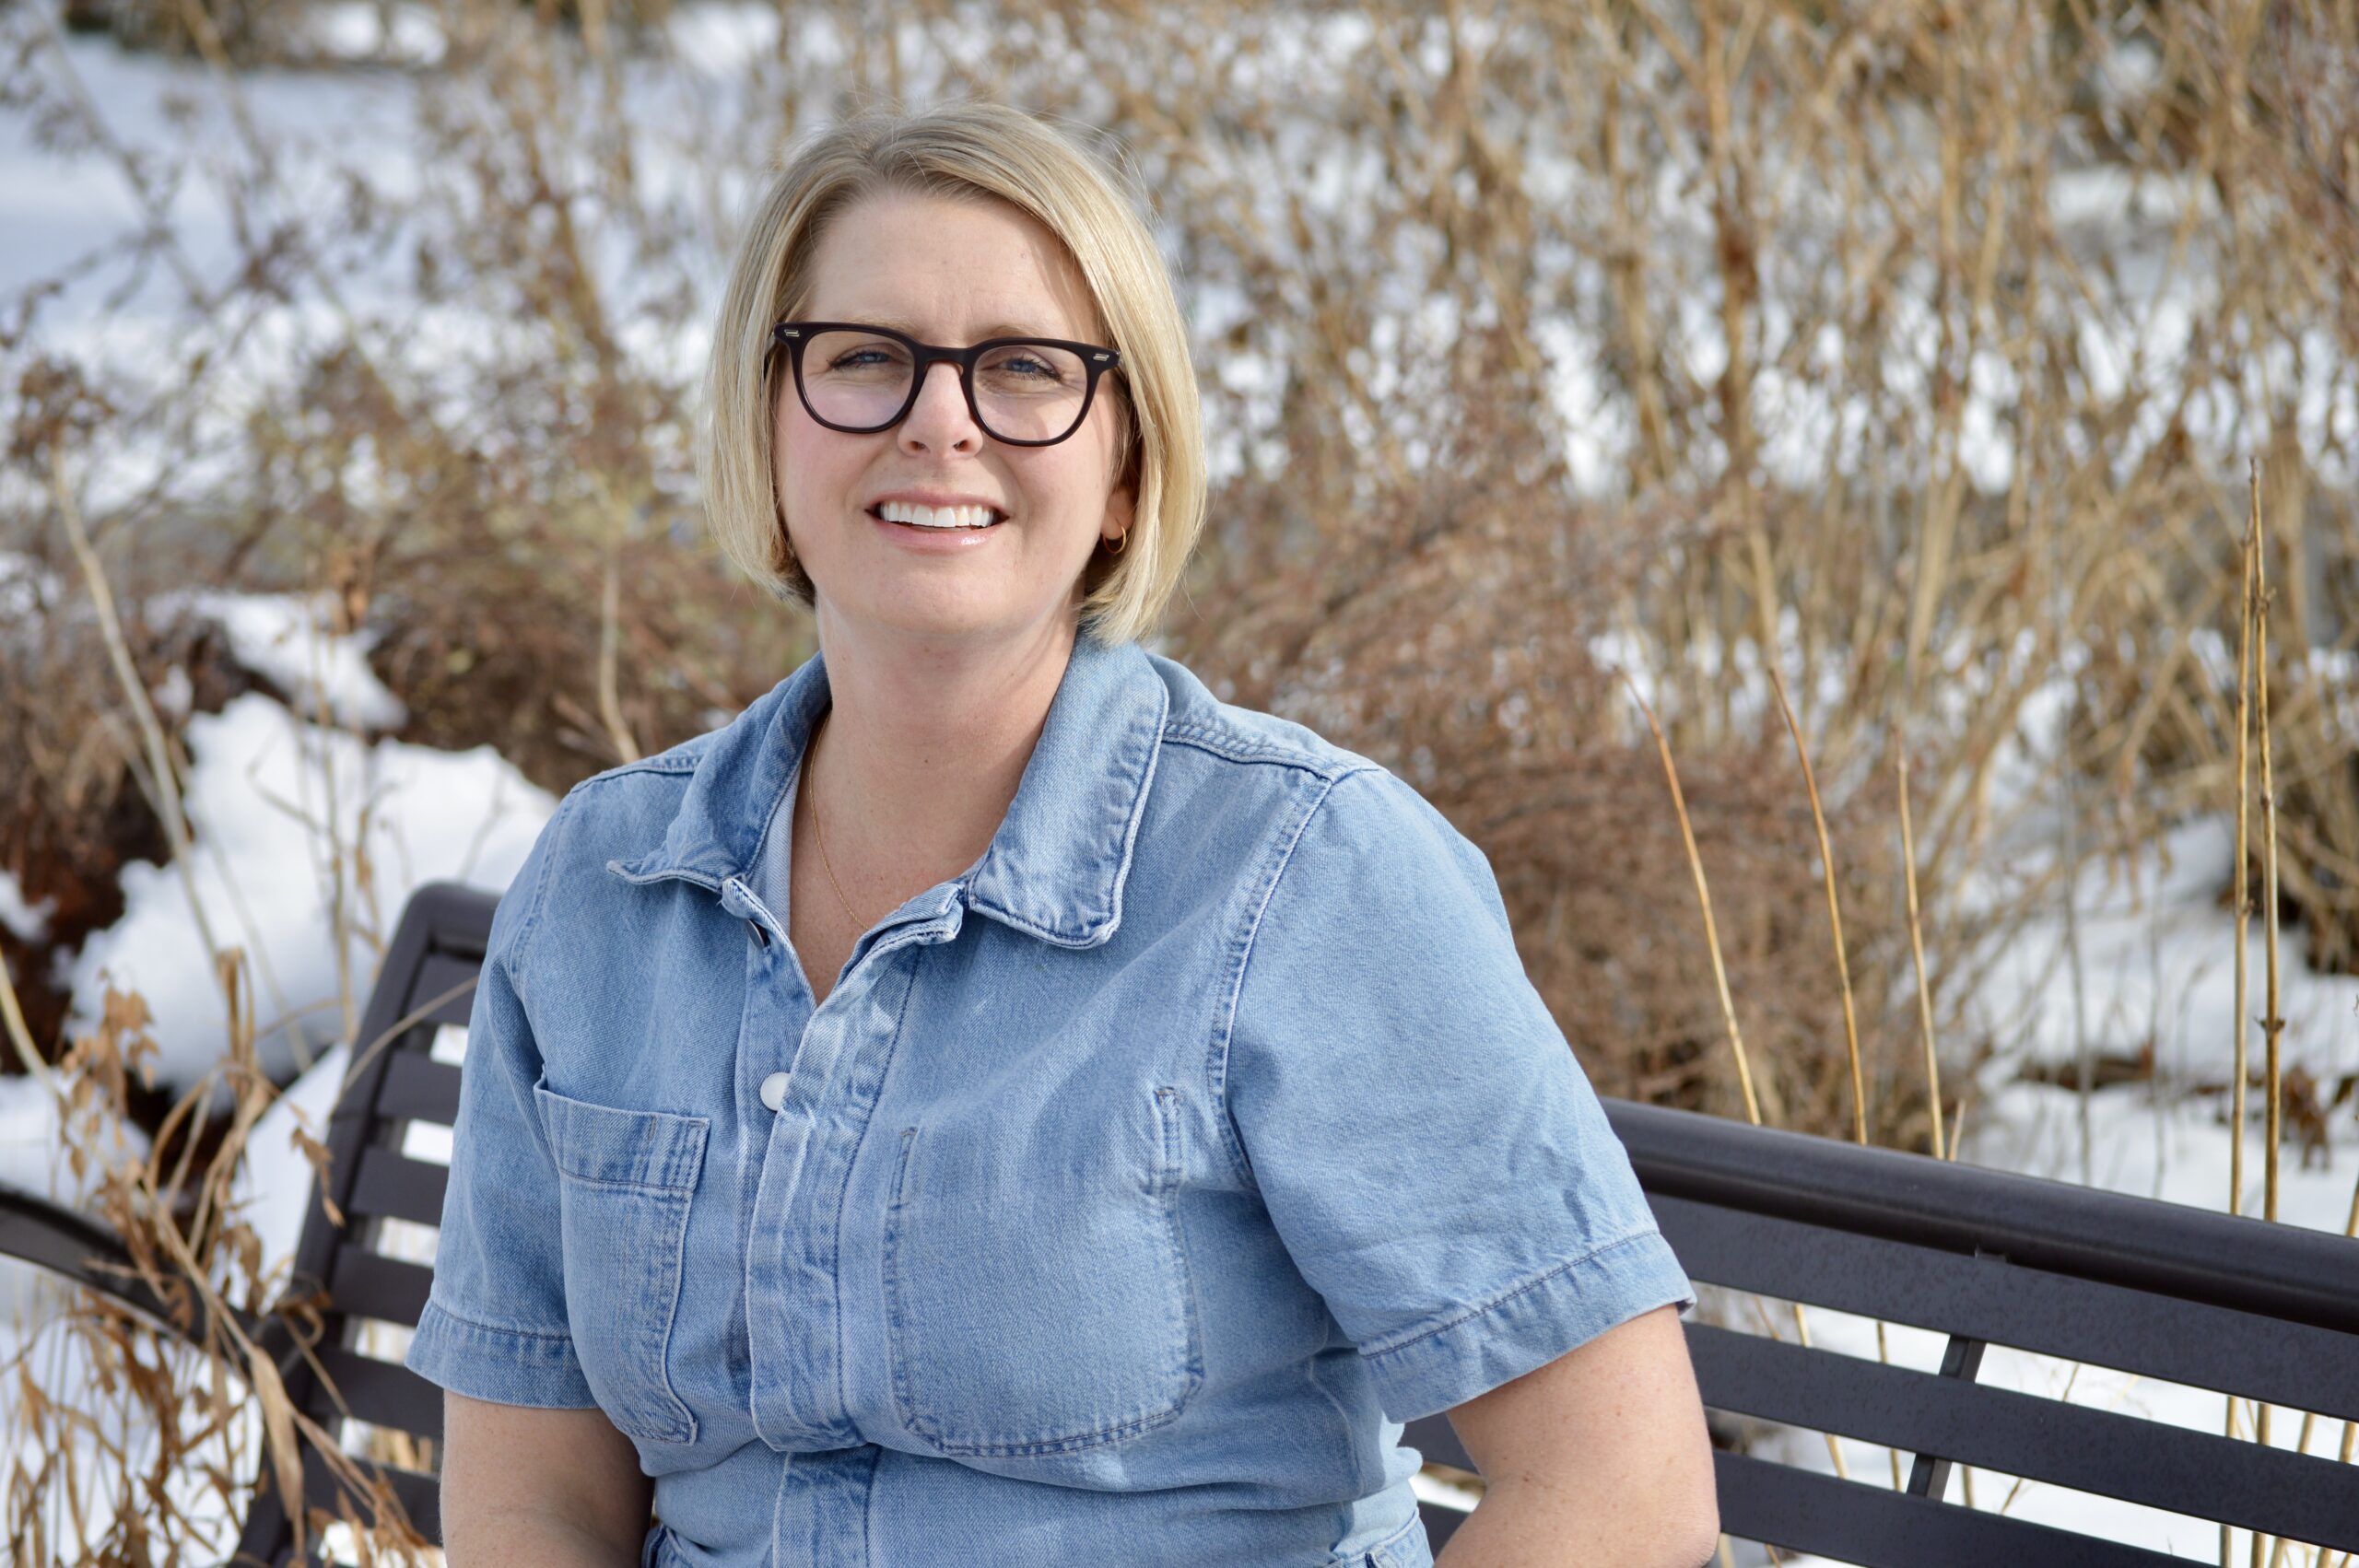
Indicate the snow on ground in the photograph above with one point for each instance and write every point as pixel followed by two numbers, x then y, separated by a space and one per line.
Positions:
pixel 31 1161
pixel 25 920
pixel 273 1184
pixel 286 639
pixel 714 70
pixel 272 1189
pixel 2158 965
pixel 278 808
pixel 295 824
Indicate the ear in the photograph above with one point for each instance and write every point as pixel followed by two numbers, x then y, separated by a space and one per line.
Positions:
pixel 1122 512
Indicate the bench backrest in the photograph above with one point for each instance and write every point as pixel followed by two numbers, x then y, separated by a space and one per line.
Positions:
pixel 1987 1258
pixel 376 1274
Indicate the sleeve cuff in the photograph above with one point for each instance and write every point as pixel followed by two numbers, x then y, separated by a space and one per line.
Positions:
pixel 505 1366
pixel 1527 1326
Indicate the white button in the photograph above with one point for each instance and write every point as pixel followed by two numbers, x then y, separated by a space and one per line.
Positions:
pixel 774 1091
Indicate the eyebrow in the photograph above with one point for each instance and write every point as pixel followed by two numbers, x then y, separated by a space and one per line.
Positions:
pixel 902 324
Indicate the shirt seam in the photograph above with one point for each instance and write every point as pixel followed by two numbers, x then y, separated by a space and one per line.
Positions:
pixel 520 958
pixel 1502 1298
pixel 689 758
pixel 558 1336
pixel 1231 745
pixel 1225 1035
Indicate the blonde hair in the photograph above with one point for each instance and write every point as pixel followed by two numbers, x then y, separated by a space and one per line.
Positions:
pixel 965 149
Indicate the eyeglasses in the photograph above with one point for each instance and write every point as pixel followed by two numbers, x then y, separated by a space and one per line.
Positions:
pixel 1025 391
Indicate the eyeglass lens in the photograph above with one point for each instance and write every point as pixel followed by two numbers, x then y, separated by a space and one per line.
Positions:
pixel 1024 392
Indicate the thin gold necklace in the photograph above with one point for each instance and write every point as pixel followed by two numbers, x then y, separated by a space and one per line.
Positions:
pixel 810 784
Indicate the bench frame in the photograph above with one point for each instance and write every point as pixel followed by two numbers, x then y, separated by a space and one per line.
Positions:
pixel 2166 1291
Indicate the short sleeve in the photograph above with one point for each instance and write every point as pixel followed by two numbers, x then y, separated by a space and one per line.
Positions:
pixel 495 1325
pixel 1428 1148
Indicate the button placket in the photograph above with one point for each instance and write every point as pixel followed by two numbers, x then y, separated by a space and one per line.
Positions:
pixel 823 1112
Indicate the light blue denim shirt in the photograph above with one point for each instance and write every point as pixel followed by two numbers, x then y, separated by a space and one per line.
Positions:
pixel 1121 1200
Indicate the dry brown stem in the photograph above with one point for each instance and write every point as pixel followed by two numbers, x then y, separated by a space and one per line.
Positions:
pixel 1833 911
pixel 1704 901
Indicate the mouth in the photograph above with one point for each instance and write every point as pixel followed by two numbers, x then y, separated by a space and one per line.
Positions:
pixel 938 519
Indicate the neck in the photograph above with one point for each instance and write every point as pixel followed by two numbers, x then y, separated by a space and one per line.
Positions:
pixel 922 750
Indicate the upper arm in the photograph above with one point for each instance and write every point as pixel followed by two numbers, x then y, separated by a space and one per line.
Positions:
pixel 496 1325
pixel 1625 1399
pixel 1425 1144
pixel 1616 1420
pixel 527 1485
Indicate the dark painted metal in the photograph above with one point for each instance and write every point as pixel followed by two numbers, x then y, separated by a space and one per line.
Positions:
pixel 1961 1359
pixel 2005 1302
pixel 425 982
pixel 2233 1261
pixel 1801 1510
pixel 1437 1440
pixel 78 1248
pixel 2161 1466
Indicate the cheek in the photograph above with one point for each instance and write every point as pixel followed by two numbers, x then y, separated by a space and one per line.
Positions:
pixel 804 469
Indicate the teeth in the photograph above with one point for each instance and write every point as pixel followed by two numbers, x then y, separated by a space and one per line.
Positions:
pixel 936 516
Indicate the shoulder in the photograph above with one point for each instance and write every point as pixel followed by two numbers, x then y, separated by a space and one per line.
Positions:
pixel 1246 737
pixel 618 805
pixel 617 812
pixel 674 764
pixel 1329 803
pixel 1256 759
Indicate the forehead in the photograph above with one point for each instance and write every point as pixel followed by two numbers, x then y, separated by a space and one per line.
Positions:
pixel 949 270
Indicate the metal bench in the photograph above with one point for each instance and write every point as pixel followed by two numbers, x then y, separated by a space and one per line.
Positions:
pixel 1987 1257
pixel 427 980
pixel 1991 1257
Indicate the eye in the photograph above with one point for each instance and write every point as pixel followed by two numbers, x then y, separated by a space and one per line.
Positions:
pixel 1025 365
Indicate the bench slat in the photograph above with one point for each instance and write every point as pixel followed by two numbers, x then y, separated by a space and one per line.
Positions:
pixel 1437 1440
pixel 2285 1272
pixel 418 1088
pixel 1876 1527
pixel 382 1393
pixel 1988 1298
pixel 2149 1462
pixel 420 1495
pixel 439 973
pixel 386 1184
pixel 369 1284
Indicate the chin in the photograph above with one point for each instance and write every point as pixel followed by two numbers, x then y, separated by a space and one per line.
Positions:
pixel 929 615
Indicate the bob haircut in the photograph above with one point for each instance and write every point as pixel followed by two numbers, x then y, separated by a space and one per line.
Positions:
pixel 968 150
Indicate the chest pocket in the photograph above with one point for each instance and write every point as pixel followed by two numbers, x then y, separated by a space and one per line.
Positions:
pixel 1037 1299
pixel 625 1182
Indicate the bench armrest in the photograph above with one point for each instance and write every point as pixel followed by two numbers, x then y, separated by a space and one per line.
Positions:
pixel 85 1252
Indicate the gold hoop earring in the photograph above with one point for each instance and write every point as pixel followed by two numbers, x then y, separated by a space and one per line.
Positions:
pixel 1122 542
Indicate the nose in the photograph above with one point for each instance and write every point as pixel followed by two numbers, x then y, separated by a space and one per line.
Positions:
pixel 940 420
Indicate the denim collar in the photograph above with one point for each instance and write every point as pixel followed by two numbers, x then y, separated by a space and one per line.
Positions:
pixel 1054 869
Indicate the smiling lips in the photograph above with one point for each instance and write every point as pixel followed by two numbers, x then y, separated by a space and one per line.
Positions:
pixel 918 516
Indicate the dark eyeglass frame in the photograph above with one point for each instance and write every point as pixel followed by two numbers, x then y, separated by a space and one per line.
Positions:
pixel 794 336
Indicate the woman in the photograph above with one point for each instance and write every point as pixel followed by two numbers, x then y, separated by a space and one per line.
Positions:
pixel 992 1103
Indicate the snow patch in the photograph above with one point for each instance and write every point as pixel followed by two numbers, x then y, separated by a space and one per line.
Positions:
pixel 287 638
pixel 276 808
pixel 25 920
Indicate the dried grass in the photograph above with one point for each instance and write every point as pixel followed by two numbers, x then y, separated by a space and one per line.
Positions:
pixel 137 1439
pixel 1914 356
